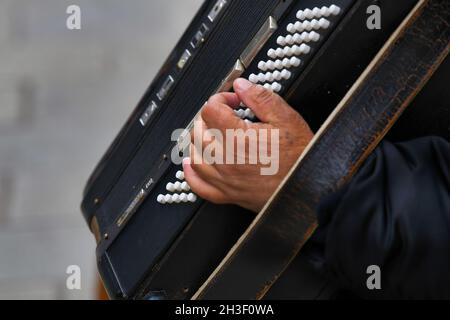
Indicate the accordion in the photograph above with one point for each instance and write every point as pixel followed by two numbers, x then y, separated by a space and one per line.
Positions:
pixel 158 240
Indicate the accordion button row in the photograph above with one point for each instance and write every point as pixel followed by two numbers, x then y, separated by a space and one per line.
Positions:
pixel 271 76
pixel 308 25
pixel 179 175
pixel 275 87
pixel 178 186
pixel 245 113
pixel 286 63
pixel 298 38
pixel 295 50
pixel 177 198
pixel 318 12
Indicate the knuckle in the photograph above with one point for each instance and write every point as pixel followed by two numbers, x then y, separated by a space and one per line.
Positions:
pixel 214 98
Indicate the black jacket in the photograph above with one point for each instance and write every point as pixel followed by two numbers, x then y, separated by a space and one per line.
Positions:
pixel 395 214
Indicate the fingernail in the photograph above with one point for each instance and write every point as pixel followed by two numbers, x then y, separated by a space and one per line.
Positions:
pixel 242 84
pixel 186 161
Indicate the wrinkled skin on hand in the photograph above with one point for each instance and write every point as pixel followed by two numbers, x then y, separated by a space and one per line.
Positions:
pixel 243 184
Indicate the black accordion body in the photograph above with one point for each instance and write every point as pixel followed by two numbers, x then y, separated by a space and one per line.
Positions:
pixel 311 52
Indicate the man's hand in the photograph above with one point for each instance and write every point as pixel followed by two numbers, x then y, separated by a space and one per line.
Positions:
pixel 243 184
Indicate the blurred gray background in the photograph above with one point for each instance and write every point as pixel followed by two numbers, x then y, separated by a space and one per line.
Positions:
pixel 63 97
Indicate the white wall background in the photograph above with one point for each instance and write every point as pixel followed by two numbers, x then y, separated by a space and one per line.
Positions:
pixel 63 97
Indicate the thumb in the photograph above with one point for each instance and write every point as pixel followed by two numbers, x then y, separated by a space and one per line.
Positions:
pixel 265 104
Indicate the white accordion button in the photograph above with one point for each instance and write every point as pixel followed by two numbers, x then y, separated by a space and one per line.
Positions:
pixel 324 23
pixel 296 50
pixel 277 64
pixel 307 25
pixel 276 75
pixel 272 53
pixel 270 65
pixel 261 77
pixel 305 14
pixel 301 15
pixel 291 28
pixel 317 13
pixel 325 12
pixel 276 87
pixel 279 52
pixel 248 113
pixel 292 62
pixel 315 24
pixel 183 197
pixel 298 26
pixel 177 186
pixel 281 41
pixel 176 198
pixel 262 66
pixel 161 199
pixel 289 40
pixel 268 77
pixel 253 78
pixel 305 49
pixel 239 113
pixel 170 187
pixel 168 198
pixel 179 175
pixel 191 197
pixel 286 75
pixel 295 62
pixel 185 186
pixel 308 14
pixel 335 10
pixel 300 37
pixel 286 63
pixel 288 51
pixel 267 86
pixel 312 36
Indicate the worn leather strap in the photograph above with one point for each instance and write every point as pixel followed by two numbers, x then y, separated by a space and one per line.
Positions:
pixel 352 132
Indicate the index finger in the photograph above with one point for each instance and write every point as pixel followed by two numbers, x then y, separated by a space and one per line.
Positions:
pixel 218 112
pixel 230 99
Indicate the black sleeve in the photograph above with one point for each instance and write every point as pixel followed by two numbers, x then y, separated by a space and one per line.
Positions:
pixel 395 214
